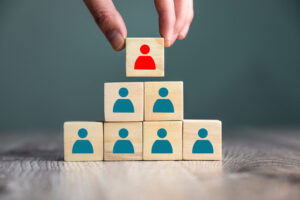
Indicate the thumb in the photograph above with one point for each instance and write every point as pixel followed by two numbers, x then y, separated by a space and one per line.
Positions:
pixel 109 21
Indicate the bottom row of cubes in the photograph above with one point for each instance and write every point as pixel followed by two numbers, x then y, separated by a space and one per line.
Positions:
pixel 151 140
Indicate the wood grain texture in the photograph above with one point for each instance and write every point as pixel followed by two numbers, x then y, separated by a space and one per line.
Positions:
pixel 135 95
pixel 173 135
pixel 175 95
pixel 190 136
pixel 111 136
pixel 257 164
pixel 94 137
pixel 156 46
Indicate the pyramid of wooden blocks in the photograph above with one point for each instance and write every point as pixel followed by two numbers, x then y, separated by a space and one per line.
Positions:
pixel 143 120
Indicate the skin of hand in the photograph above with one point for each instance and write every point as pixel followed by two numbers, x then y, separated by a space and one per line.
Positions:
pixel 175 18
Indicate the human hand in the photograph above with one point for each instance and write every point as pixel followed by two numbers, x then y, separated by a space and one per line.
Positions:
pixel 175 18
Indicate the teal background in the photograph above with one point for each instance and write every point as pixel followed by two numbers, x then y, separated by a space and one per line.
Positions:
pixel 240 62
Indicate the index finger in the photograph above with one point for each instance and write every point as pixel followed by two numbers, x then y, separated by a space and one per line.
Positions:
pixel 167 18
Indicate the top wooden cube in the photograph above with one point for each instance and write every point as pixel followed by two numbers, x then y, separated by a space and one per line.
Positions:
pixel 145 57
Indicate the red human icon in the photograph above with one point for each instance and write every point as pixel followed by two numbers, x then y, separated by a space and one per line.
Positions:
pixel 144 62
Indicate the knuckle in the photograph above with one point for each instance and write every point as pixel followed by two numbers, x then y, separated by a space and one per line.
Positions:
pixel 102 18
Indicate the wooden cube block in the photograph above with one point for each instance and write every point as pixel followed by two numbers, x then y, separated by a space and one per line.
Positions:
pixel 145 57
pixel 162 140
pixel 123 141
pixel 202 140
pixel 83 141
pixel 163 101
pixel 124 101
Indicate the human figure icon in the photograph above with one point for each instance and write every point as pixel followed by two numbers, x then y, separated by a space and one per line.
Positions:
pixel 123 146
pixel 163 105
pixel 83 146
pixel 162 146
pixel 144 62
pixel 203 146
pixel 123 105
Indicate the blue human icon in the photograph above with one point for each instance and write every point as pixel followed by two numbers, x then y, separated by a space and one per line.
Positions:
pixel 163 105
pixel 123 105
pixel 162 146
pixel 203 146
pixel 123 146
pixel 82 146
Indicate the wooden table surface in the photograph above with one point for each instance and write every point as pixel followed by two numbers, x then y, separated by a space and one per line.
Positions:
pixel 257 164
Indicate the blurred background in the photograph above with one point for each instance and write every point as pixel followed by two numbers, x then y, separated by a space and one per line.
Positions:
pixel 240 63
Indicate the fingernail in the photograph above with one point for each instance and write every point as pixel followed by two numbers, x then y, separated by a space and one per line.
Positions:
pixel 168 41
pixel 175 37
pixel 180 36
pixel 116 39
pixel 184 32
pixel 171 39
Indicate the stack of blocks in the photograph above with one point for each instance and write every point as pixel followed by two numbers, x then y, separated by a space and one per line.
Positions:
pixel 143 120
